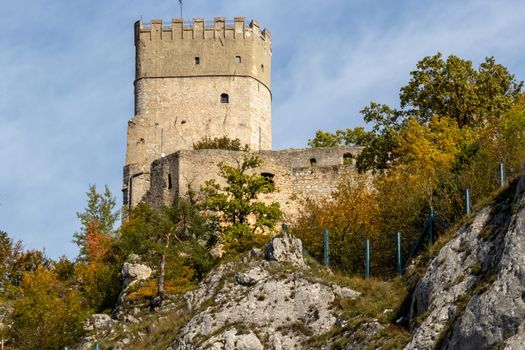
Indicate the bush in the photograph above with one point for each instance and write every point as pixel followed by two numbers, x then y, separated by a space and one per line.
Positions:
pixel 48 315
pixel 220 143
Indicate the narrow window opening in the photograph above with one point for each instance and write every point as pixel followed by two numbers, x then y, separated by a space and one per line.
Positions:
pixel 197 60
pixel 269 177
pixel 313 162
pixel 262 67
pixel 348 158
pixel 225 98
pixel 238 59
pixel 170 185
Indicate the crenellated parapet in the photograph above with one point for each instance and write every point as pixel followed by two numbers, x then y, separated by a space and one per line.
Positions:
pixel 203 48
pixel 199 28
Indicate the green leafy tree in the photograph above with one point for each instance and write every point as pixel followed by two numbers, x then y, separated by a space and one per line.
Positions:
pixel 98 219
pixel 454 88
pixel 175 233
pixel 240 213
pixel 349 137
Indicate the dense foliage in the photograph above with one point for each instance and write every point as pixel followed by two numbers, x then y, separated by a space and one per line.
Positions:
pixel 173 240
pixel 223 142
pixel 235 205
pixel 449 88
pixel 455 126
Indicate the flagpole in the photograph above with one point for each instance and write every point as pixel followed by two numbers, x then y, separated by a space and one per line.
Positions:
pixel 180 3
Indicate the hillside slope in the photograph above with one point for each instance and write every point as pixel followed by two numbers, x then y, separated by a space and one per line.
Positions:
pixel 271 299
pixel 471 296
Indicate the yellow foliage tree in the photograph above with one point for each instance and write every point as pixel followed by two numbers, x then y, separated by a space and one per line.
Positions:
pixel 350 217
pixel 48 315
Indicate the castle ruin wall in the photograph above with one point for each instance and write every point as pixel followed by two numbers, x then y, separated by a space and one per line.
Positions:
pixel 298 174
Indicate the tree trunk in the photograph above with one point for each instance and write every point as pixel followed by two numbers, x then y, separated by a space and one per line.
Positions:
pixel 160 292
pixel 162 271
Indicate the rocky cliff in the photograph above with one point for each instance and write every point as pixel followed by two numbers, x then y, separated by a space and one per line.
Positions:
pixel 472 295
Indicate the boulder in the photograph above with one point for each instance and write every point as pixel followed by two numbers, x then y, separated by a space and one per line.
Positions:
pixel 97 322
pixel 134 272
pixel 285 248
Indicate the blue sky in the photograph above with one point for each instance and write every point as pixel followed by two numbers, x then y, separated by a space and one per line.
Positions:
pixel 66 91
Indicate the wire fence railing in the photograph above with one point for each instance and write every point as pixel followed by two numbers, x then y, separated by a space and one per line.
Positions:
pixel 428 235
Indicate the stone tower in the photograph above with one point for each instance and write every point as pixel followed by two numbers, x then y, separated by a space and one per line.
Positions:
pixel 193 81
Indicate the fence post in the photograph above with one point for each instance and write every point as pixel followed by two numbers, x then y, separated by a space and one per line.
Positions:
pixel 326 248
pixel 501 174
pixel 431 226
pixel 399 258
pixel 367 258
pixel 467 201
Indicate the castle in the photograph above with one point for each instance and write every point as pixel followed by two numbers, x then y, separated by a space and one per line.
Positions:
pixel 212 79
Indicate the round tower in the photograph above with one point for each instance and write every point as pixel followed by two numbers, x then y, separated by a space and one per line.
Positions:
pixel 194 81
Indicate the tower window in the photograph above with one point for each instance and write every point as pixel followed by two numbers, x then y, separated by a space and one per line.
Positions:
pixel 197 60
pixel 262 67
pixel 238 59
pixel 225 98
pixel 170 185
pixel 313 162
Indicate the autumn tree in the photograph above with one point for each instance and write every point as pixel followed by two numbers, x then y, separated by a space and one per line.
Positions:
pixel 48 314
pixel 454 126
pixel 96 269
pixel 239 210
pixel 350 216
pixel 97 223
pixel 450 88
pixel 15 261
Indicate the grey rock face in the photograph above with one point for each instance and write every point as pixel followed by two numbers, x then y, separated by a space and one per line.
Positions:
pixel 472 295
pixel 285 248
pixel 517 341
pixel 263 306
pixel 251 277
pixel 97 321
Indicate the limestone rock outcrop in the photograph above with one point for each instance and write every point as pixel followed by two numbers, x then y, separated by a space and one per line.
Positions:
pixel 98 321
pixel 285 248
pixel 473 293
pixel 265 305
pixel 134 272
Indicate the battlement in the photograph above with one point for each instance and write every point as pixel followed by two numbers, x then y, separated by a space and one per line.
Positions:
pixel 200 28
pixel 202 49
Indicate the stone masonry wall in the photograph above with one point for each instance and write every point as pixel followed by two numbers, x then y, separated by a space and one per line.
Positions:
pixel 294 175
